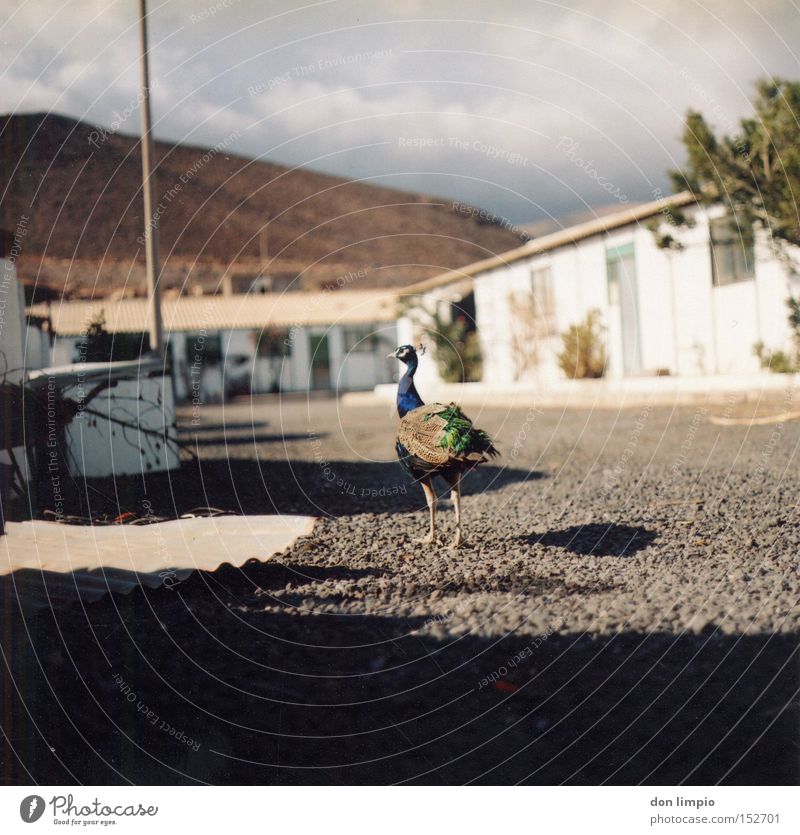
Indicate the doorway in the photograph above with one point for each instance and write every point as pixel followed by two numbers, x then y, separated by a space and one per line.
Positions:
pixel 623 300
pixel 320 362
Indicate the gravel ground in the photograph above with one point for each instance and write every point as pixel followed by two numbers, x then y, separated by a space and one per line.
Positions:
pixel 626 610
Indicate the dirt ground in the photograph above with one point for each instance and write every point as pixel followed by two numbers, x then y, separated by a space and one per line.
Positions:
pixel 626 611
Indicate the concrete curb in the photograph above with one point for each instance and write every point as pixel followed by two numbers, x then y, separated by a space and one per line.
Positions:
pixel 602 394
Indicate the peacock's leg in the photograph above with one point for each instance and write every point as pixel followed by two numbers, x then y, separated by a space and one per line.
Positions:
pixel 455 492
pixel 430 497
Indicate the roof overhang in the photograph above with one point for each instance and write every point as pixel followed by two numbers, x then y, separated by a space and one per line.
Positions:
pixel 248 311
pixel 564 237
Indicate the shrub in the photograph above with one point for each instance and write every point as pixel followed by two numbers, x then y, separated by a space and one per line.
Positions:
pixel 584 353
pixel 781 362
pixel 778 361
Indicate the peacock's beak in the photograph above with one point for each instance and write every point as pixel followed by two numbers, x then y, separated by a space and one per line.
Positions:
pixel 391 356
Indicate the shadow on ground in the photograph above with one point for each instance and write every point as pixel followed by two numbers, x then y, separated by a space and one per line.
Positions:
pixel 187 429
pixel 245 485
pixel 604 539
pixel 240 440
pixel 204 683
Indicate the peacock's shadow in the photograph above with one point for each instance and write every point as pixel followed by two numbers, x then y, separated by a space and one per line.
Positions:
pixel 341 488
pixel 596 539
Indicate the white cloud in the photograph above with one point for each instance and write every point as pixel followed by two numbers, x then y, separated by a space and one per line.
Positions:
pixel 509 75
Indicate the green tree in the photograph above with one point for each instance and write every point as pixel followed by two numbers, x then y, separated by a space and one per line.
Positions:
pixel 97 342
pixel 755 172
pixel 98 345
pixel 456 349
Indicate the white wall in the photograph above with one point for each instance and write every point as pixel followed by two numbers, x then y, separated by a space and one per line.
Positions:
pixel 686 326
pixel 296 369
pixel 38 351
pixel 100 448
pixel 353 371
pixel 365 369
pixel 98 445
pixel 64 349
pixel 12 340
pixel 12 323
pixel 356 370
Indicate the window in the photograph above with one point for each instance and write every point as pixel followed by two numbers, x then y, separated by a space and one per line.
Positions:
pixel 464 311
pixel 359 340
pixel 732 256
pixel 544 303
pixel 274 343
pixel 255 284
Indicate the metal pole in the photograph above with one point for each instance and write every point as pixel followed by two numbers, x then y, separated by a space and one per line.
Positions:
pixel 263 244
pixel 148 180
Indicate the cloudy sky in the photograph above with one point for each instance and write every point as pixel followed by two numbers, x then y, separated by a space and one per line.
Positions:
pixel 528 108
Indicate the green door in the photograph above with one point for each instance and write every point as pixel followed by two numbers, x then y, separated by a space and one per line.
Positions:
pixel 624 303
pixel 320 363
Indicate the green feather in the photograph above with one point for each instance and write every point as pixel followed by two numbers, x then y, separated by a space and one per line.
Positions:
pixel 459 434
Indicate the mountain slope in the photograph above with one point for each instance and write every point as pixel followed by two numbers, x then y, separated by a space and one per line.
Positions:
pixel 76 190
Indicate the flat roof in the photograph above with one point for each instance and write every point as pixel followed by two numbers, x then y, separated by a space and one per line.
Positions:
pixel 250 311
pixel 564 237
pixel 97 370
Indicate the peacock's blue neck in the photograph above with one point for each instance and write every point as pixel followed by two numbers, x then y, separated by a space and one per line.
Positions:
pixel 408 398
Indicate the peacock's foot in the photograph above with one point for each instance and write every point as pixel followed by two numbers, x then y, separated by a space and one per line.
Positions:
pixel 426 540
pixel 458 541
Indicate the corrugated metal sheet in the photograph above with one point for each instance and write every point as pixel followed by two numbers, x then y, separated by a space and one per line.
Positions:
pixel 563 237
pixel 46 563
pixel 246 311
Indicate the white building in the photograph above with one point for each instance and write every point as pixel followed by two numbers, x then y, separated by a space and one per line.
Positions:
pixel 694 310
pixel 255 343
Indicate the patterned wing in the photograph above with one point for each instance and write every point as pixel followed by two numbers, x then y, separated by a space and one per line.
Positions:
pixel 421 432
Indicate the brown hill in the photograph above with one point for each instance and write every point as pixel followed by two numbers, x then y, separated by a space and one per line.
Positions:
pixel 72 193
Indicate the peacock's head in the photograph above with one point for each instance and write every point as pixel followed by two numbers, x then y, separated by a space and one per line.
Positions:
pixel 407 353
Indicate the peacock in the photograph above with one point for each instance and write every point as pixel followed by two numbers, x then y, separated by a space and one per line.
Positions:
pixel 436 439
